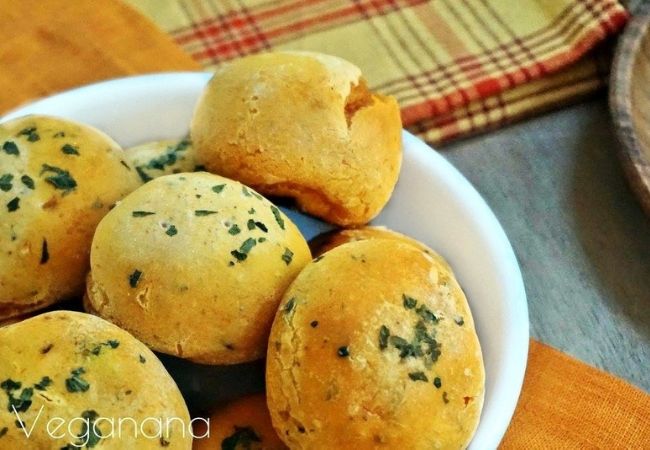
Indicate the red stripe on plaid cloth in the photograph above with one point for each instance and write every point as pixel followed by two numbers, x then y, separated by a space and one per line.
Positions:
pixel 492 86
pixel 465 65
pixel 215 27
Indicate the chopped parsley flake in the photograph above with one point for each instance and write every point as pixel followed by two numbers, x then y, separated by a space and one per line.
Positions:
pixel 242 438
pixel 142 213
pixel 144 176
pixel 437 382
pixel 314 323
pixel 287 256
pixel 5 182
pixel 59 134
pixel 318 258
pixel 76 383
pixel 290 305
pixel 61 178
pixel 444 397
pixel 27 181
pixel 246 191
pixel 251 211
pixel 24 400
pixel 384 334
pixel 32 135
pixel 134 278
pixel 9 385
pixel 3 431
pixel 171 231
pixel 13 204
pixel 343 352
pixel 252 224
pixel 142 359
pixel 45 254
pixel 90 434
pixel 70 150
pixel 409 302
pixel 203 212
pixel 278 216
pixel 97 349
pixel 10 148
pixel 426 314
pixel 405 348
pixel 218 188
pixel 244 249
pixel 418 376
pixel 459 321
pixel 234 230
pixel 43 384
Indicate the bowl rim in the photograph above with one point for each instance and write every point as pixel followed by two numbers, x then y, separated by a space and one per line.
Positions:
pixel 636 163
pixel 512 366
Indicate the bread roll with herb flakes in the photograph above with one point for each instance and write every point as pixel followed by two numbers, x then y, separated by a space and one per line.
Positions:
pixel 58 178
pixel 241 424
pixel 302 125
pixel 67 374
pixel 194 265
pixel 158 158
pixel 374 346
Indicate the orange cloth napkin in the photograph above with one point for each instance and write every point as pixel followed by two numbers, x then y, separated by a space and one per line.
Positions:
pixel 457 67
pixel 564 404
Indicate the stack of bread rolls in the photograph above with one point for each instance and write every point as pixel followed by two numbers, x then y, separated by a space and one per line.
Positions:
pixel 175 247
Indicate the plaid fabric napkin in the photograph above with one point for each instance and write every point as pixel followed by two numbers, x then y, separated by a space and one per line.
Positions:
pixel 457 67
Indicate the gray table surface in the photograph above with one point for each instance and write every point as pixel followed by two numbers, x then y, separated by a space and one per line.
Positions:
pixel 581 238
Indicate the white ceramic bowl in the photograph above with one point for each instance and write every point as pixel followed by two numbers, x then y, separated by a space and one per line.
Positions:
pixel 433 202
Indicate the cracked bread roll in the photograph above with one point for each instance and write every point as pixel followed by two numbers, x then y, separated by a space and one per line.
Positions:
pixel 64 375
pixel 374 346
pixel 58 178
pixel 302 125
pixel 155 159
pixel 194 265
pixel 242 424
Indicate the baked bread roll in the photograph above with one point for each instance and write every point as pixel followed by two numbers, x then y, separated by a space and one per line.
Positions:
pixel 194 265
pixel 158 158
pixel 57 180
pixel 302 125
pixel 327 241
pixel 79 372
pixel 241 424
pixel 374 346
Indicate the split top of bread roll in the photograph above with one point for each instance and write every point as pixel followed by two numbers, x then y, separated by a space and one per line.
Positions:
pixel 302 125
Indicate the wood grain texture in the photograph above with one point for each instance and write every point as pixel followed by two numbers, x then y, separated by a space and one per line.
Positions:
pixel 581 238
pixel 46 48
pixel 630 101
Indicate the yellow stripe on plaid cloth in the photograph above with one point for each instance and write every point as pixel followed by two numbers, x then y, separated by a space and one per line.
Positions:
pixel 454 65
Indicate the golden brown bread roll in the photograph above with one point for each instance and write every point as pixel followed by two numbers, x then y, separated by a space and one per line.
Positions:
pixel 195 265
pixel 241 424
pixel 155 159
pixel 302 125
pixel 63 373
pixel 57 180
pixel 327 241
pixel 374 347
